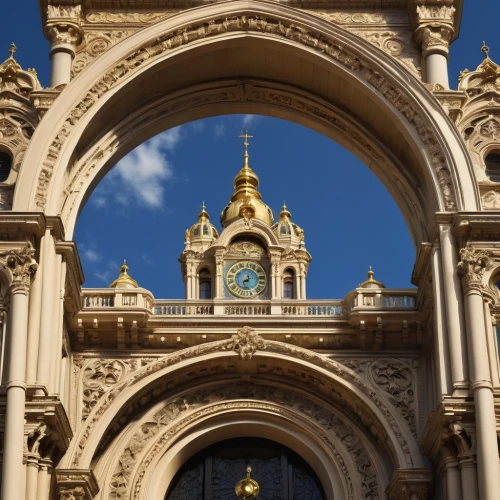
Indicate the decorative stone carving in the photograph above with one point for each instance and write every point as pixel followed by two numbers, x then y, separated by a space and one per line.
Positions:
pixel 491 200
pixel 246 342
pixel 75 484
pixel 126 17
pixel 410 484
pixel 473 263
pixel 67 34
pixel 178 412
pixel 173 40
pixel 100 375
pixel 394 377
pixel 22 265
pixel 360 18
pixel 64 11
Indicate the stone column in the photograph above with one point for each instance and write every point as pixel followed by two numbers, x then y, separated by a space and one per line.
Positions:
pixel 443 376
pixel 453 479
pixel 44 477
pixel 219 264
pixel 454 312
pixel 434 32
pixel 468 473
pixel 32 468
pixel 303 274
pixel 471 268
pixel 65 34
pixel 79 484
pixel 22 265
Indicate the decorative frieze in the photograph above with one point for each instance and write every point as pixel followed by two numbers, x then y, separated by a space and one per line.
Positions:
pixel 75 484
pixel 278 27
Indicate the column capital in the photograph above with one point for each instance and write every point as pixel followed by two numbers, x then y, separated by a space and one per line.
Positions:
pixel 64 36
pixel 435 27
pixel 472 266
pixel 410 484
pixel 75 484
pixel 22 265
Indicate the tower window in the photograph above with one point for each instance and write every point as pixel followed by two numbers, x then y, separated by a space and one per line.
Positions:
pixel 5 166
pixel 288 284
pixel 205 285
pixel 205 229
pixel 492 162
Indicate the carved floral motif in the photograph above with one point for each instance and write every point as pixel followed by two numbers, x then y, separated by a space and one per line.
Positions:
pixel 246 342
pixel 473 263
pixel 491 200
pixel 169 420
pixel 125 17
pixel 22 265
pixel 171 41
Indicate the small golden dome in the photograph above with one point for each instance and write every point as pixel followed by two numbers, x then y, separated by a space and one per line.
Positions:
pixel 370 282
pixel 247 488
pixel 124 280
pixel 246 201
pixel 203 229
pixel 285 227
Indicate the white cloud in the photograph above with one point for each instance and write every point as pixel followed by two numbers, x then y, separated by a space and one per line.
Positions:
pixel 147 260
pixel 198 125
pixel 219 130
pixel 104 276
pixel 140 177
pixel 99 201
pixel 249 120
pixel 110 273
pixel 89 253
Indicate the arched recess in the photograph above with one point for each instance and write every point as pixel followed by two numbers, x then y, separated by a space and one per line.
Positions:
pixel 249 57
pixel 137 421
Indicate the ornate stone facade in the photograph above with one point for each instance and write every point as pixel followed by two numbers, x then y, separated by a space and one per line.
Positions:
pixel 109 393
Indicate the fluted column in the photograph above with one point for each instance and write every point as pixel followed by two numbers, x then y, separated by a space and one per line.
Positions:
pixel 22 266
pixel 471 268
pixel 65 34
pixel 434 32
pixel 454 310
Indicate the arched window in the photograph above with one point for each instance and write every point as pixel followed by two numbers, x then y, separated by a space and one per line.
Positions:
pixel 5 165
pixel 492 162
pixel 288 284
pixel 205 285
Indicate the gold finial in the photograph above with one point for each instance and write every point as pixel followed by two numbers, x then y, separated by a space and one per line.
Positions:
pixel 248 488
pixel 12 50
pixel 124 280
pixel 284 212
pixel 203 214
pixel 485 50
pixel 371 282
pixel 246 136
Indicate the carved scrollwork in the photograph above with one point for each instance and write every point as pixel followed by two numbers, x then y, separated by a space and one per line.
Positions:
pixel 246 342
pixel 22 265
pixel 473 264
pixel 209 28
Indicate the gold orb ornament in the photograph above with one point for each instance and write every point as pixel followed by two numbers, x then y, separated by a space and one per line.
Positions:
pixel 248 488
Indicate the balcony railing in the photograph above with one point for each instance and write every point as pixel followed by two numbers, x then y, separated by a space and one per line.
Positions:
pixel 358 300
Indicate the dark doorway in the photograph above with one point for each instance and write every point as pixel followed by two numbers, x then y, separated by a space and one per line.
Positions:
pixel 213 473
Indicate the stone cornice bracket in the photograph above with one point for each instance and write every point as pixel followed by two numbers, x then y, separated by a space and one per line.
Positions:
pixel 472 266
pixel 410 484
pixel 77 484
pixel 435 27
pixel 22 266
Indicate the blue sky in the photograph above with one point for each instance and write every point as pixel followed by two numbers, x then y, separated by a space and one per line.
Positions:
pixel 142 208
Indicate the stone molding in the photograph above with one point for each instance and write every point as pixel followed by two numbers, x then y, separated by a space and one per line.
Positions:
pixel 75 484
pixel 215 27
pixel 388 427
pixel 410 484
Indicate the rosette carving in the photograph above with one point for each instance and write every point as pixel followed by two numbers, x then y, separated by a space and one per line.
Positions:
pixel 246 341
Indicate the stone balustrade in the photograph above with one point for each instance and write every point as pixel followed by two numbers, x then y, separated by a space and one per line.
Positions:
pixel 358 300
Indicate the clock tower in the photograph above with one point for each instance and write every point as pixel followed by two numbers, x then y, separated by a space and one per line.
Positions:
pixel 253 259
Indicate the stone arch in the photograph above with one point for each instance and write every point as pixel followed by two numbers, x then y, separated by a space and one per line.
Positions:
pixel 255 228
pixel 188 381
pixel 420 157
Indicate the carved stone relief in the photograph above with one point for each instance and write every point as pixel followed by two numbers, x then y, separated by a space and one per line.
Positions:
pixel 100 375
pixel 396 379
pixel 171 41
pixel 170 420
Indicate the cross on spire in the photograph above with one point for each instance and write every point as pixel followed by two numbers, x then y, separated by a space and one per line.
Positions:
pixel 12 50
pixel 246 136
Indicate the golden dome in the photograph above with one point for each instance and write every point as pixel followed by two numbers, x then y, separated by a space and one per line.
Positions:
pixel 246 201
pixel 124 280
pixel 285 228
pixel 370 282
pixel 203 229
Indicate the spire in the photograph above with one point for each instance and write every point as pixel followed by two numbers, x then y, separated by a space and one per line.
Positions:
pixel 12 50
pixel 371 282
pixel 203 215
pixel 285 214
pixel 246 201
pixel 485 50
pixel 124 280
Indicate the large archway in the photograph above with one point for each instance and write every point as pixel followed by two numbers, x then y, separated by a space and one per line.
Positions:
pixel 294 66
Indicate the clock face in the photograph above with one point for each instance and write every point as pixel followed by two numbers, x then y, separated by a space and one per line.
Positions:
pixel 246 279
